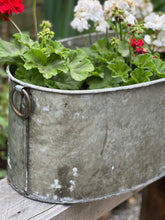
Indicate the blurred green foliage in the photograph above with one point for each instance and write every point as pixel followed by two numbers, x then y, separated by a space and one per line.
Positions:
pixel 60 13
pixel 3 122
pixel 3 173
pixel 159 5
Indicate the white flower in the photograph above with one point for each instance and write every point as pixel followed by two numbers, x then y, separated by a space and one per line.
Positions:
pixel 121 4
pixel 151 17
pixel 80 24
pixel 147 9
pixel 126 5
pixel 86 10
pixel 89 10
pixel 155 22
pixel 130 19
pixel 160 41
pixel 147 39
pixel 102 26
pixel 163 22
pixel 142 9
pixel 157 43
pixel 96 11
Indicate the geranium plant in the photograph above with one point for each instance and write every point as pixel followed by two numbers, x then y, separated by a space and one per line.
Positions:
pixel 127 57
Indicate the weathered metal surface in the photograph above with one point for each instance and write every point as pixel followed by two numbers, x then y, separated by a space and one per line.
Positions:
pixel 83 40
pixel 81 146
pixel 17 142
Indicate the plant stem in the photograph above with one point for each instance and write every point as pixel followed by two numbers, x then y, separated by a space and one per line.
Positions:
pixel 90 39
pixel 8 34
pixel 35 19
pixel 97 36
pixel 107 36
pixel 42 43
pixel 14 24
pixel 116 29
pixel 130 52
pixel 120 31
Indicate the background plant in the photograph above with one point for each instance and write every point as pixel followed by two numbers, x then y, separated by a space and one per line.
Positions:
pixel 60 14
pixel 159 5
pixel 3 122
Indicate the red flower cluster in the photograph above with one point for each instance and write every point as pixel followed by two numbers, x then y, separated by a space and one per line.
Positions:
pixel 138 46
pixel 8 7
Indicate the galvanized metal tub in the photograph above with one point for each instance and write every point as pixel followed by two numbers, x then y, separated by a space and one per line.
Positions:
pixel 80 146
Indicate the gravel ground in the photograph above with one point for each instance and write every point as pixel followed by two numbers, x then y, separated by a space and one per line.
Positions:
pixel 129 210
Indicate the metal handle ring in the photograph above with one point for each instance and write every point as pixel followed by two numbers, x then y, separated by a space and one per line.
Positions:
pixel 25 93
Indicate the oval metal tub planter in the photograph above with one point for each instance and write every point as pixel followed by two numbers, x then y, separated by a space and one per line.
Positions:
pixel 80 146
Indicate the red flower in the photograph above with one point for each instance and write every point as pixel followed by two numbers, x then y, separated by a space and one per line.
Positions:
pixel 154 57
pixel 137 46
pixel 133 43
pixel 140 43
pixel 9 7
pixel 140 51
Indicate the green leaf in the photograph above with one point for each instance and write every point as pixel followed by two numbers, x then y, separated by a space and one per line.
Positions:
pixel 101 47
pixel 57 48
pixel 119 69
pixel 117 59
pixel 112 25
pixel 54 64
pixel 30 76
pixel 79 65
pixel 34 58
pixel 17 61
pixel 140 75
pixel 98 73
pixel 10 50
pixel 65 82
pixel 106 57
pixel 123 49
pixel 25 40
pixel 159 68
pixel 144 61
pixel 107 82
pixel 80 70
pixel 47 66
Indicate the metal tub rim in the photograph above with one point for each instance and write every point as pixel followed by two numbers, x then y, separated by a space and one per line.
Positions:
pixel 83 92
